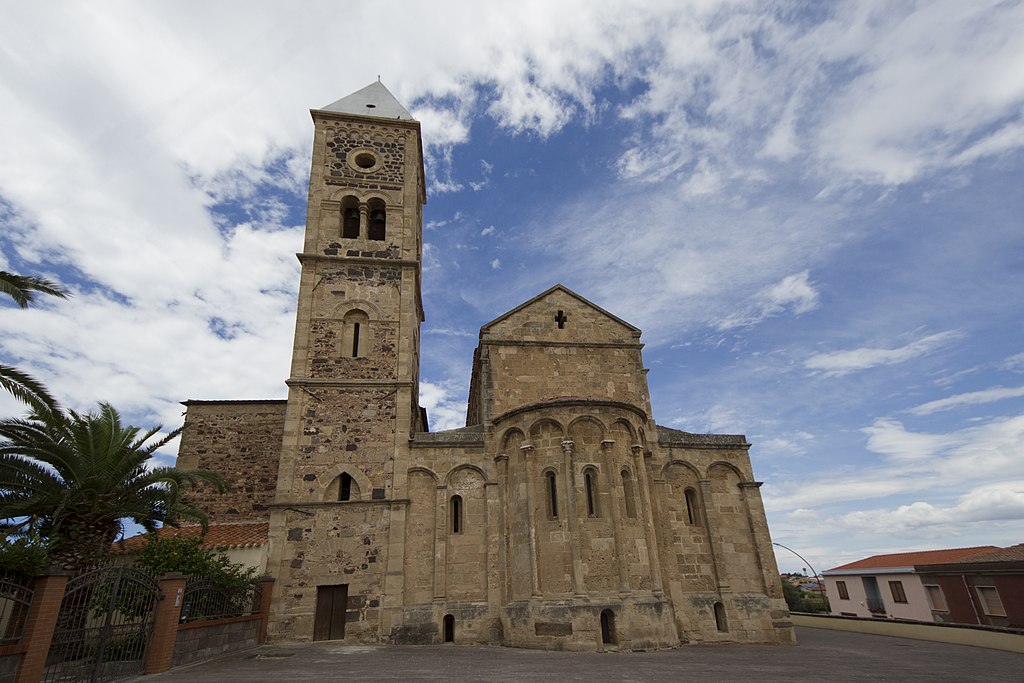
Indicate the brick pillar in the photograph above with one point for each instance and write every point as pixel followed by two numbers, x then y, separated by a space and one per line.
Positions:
pixel 160 653
pixel 48 591
pixel 266 585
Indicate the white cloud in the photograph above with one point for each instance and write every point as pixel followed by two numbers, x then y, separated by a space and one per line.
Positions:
pixel 836 363
pixel 1015 362
pixel 966 399
pixel 446 407
pixel 999 502
pixel 496 264
pixel 793 292
pixel 489 230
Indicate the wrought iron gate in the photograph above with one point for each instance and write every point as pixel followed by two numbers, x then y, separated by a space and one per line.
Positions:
pixel 104 627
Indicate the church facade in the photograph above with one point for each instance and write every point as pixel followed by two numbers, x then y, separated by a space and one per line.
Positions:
pixel 561 517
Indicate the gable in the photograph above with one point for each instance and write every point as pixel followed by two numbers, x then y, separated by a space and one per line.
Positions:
pixel 560 315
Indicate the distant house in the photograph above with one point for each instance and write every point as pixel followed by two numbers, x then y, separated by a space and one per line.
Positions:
pixel 987 588
pixel 244 543
pixel 888 585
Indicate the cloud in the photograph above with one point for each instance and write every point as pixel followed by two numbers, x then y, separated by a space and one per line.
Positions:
pixel 936 464
pixel 793 292
pixel 966 399
pixel 837 363
pixel 999 502
pixel 445 404
pixel 1015 362
pixel 489 230
pixel 496 264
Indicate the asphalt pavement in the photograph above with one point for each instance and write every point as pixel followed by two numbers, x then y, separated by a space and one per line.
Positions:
pixel 821 655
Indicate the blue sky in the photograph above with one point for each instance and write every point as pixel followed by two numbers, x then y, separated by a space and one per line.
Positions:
pixel 814 213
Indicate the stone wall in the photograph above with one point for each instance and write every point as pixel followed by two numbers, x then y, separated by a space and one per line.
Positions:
pixel 240 441
pixel 201 641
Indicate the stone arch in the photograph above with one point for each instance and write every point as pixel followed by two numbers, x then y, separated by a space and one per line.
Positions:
pixel 368 307
pixel 537 425
pixel 333 479
pixel 623 427
pixel 465 466
pixel 727 465
pixel 682 463
pixel 424 470
pixel 350 220
pixel 510 435
pixel 587 429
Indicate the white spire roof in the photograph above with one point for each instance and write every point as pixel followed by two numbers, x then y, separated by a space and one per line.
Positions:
pixel 373 100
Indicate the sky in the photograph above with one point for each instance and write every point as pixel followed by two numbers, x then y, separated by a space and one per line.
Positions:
pixel 813 210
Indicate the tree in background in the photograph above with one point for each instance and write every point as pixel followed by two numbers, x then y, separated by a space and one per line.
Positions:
pixel 72 478
pixel 803 601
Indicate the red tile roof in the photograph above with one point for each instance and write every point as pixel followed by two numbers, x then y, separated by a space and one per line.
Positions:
pixel 234 535
pixel 922 557
pixel 1015 553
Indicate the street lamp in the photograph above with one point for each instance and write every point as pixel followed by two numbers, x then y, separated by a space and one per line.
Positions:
pixel 821 584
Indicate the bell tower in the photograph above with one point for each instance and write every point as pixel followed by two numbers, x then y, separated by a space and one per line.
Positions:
pixel 337 522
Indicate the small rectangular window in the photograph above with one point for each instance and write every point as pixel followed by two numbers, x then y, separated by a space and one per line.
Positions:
pixel 896 588
pixel 936 598
pixel 843 593
pixel 991 603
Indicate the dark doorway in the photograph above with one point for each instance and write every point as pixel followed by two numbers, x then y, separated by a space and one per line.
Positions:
pixel 449 628
pixel 608 627
pixel 331 604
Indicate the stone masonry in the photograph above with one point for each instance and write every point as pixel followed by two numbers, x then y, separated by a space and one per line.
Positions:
pixel 561 517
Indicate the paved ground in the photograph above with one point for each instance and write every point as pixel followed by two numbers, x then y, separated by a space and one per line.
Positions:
pixel 821 656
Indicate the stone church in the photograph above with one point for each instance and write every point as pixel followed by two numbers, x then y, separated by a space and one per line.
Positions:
pixel 561 517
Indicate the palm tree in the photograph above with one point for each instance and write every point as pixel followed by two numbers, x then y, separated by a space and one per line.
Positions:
pixel 22 288
pixel 73 478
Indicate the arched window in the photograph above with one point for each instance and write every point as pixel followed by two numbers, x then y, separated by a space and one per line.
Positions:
pixel 629 494
pixel 350 218
pixel 449 628
pixel 378 220
pixel 456 514
pixel 590 486
pixel 608 627
pixel 345 487
pixel 552 494
pixel 692 508
pixel 355 339
pixel 720 621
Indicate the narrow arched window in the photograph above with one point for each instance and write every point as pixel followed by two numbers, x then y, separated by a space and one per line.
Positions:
pixel 692 509
pixel 449 628
pixel 607 627
pixel 355 339
pixel 347 488
pixel 378 220
pixel 590 485
pixel 552 494
pixel 628 494
pixel 720 621
pixel 456 514
pixel 350 218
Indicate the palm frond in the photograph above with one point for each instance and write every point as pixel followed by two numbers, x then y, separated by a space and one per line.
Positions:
pixel 27 389
pixel 23 288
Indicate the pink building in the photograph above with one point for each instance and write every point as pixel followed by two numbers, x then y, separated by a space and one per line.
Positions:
pixel 886 586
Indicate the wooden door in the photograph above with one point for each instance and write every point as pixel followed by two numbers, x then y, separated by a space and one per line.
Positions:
pixel 331 604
